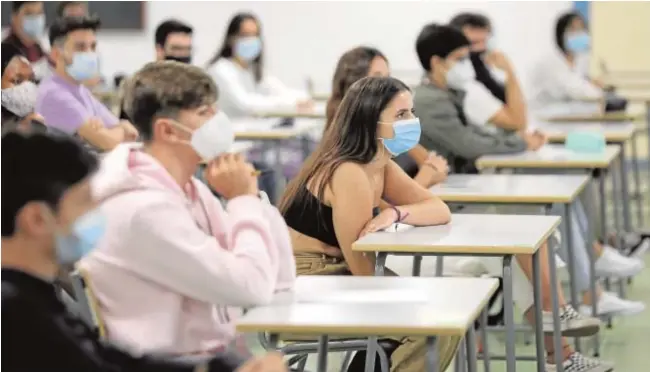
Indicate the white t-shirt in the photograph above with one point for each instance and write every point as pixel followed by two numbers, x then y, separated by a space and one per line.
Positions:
pixel 553 80
pixel 240 95
pixel 479 104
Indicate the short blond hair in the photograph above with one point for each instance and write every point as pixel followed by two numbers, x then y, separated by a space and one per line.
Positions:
pixel 164 88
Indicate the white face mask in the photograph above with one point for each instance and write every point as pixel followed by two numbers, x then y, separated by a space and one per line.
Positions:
pixel 460 74
pixel 214 137
pixel 20 99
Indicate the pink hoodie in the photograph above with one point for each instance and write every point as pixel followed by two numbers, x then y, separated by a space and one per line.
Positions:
pixel 174 269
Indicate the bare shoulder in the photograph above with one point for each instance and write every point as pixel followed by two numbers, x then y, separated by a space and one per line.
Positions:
pixel 348 173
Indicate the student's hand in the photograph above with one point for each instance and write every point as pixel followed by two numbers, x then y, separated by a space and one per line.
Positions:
pixel 305 106
pixel 93 124
pixel 434 170
pixel 384 219
pixel 271 362
pixel 534 141
pixel 541 135
pixel 230 176
pixel 498 60
pixel 130 133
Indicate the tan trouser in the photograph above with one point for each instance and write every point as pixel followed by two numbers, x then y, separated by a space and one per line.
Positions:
pixel 410 355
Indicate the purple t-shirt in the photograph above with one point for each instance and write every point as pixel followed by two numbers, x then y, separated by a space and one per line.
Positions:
pixel 66 106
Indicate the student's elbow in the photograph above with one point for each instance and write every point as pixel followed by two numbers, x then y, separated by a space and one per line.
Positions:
pixel 443 213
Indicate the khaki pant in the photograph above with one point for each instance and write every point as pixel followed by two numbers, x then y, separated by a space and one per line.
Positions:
pixel 410 355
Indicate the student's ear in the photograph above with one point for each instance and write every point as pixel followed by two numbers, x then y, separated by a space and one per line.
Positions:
pixel 160 52
pixel 435 63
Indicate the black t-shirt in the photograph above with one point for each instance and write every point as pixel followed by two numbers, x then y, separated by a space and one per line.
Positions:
pixel 39 335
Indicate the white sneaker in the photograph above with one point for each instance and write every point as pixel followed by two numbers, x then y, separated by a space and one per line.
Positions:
pixel 640 250
pixel 612 264
pixel 610 304
pixel 572 323
pixel 580 363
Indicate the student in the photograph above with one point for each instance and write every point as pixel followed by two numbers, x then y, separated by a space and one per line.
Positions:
pixel 27 28
pixel 238 69
pixel 425 168
pixel 18 90
pixel 562 75
pixel 443 53
pixel 172 41
pixel 487 101
pixel 72 9
pixel 440 101
pixel 330 203
pixel 48 220
pixel 477 28
pixel 63 100
pixel 190 265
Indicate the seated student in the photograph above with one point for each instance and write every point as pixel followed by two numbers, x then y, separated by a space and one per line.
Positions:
pixel 426 169
pixel 501 104
pixel 27 27
pixel 330 204
pixel 238 69
pixel 443 53
pixel 65 103
pixel 18 90
pixel 190 265
pixel 172 41
pixel 49 219
pixel 72 9
pixel 562 75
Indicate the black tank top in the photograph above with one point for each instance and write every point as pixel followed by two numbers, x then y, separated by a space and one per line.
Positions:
pixel 310 217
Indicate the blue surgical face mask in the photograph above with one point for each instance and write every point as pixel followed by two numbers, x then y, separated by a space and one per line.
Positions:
pixel 84 66
pixel 248 48
pixel 578 42
pixel 82 239
pixel 34 25
pixel 407 135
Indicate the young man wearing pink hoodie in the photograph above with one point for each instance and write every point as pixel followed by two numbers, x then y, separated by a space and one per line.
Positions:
pixel 174 268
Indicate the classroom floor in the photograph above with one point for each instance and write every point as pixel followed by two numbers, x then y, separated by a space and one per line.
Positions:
pixel 626 344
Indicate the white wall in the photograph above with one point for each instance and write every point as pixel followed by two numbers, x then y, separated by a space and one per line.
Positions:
pixel 306 38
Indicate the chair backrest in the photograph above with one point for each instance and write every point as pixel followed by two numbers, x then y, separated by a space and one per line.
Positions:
pixel 87 301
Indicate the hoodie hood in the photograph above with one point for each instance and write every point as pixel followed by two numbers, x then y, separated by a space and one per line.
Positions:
pixel 127 168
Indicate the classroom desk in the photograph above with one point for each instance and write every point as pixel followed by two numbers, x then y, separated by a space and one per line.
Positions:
pixel 318 112
pixel 619 133
pixel 558 157
pixel 320 96
pixel 377 306
pixel 272 137
pixel 476 235
pixel 595 117
pixel 544 191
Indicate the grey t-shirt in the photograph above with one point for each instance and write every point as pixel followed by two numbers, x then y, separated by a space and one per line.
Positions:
pixel 446 130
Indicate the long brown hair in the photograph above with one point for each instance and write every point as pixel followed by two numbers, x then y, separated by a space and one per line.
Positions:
pixel 352 66
pixel 350 137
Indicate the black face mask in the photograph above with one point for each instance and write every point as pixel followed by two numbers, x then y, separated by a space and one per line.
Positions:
pixel 187 59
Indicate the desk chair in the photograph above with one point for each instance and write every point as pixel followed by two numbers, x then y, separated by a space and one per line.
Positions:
pixel 87 302
pixel 300 350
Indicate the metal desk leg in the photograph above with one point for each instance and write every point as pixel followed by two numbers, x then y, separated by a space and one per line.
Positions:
pixel 460 360
pixel 484 340
pixel 539 329
pixel 273 341
pixel 432 354
pixel 592 278
pixel 625 191
pixel 470 345
pixel 322 354
pixel 568 241
pixel 620 238
pixel 602 176
pixel 278 169
pixel 509 314
pixel 417 264
pixel 440 260
pixel 380 263
pixel 555 303
pixel 371 354
pixel 637 182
